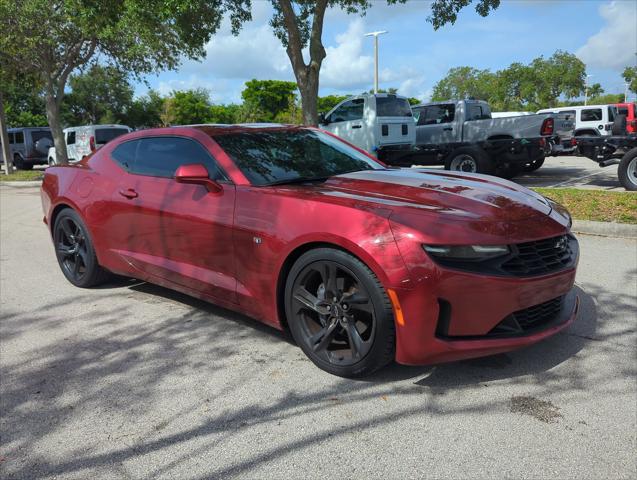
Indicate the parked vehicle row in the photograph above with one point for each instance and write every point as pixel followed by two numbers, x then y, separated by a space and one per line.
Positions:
pixel 459 134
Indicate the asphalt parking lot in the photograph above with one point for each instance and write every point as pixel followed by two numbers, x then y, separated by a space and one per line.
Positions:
pixel 571 171
pixel 134 381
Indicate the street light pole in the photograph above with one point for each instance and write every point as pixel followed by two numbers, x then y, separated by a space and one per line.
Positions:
pixel 586 90
pixel 375 35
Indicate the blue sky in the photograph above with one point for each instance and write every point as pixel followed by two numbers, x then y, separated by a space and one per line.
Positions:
pixel 413 57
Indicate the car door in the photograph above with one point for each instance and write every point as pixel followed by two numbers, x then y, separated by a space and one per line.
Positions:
pixel 178 232
pixel 436 124
pixel 346 121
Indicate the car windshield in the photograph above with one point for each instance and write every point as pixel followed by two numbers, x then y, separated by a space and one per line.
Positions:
pixel 392 107
pixel 282 156
pixel 104 135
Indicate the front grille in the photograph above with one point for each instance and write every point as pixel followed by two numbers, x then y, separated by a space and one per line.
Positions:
pixel 524 260
pixel 528 319
pixel 539 257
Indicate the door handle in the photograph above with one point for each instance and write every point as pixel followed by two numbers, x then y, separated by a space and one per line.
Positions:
pixel 357 126
pixel 128 193
pixel 448 129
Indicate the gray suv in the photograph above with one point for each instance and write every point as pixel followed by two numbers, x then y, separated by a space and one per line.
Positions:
pixel 29 146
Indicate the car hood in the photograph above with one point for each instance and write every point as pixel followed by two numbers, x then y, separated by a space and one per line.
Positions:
pixel 464 196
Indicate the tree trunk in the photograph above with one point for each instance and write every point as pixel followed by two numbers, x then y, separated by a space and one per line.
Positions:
pixel 309 87
pixel 4 139
pixel 53 116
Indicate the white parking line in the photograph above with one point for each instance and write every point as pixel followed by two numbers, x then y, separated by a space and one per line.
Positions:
pixel 574 180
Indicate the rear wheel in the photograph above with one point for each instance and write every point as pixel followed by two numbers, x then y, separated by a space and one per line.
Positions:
pixel 20 164
pixel 339 313
pixel 470 160
pixel 627 170
pixel 75 252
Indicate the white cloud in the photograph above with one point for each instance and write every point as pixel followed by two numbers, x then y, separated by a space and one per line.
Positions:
pixel 345 67
pixel 614 46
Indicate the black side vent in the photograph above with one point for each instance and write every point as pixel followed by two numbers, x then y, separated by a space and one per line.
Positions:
pixel 405 129
pixel 444 317
pixel 384 130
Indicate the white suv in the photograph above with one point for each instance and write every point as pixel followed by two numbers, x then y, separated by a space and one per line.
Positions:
pixel 590 120
pixel 84 140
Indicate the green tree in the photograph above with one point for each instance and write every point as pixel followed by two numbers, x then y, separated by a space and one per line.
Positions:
pixel 145 111
pixel 465 82
pixel 270 98
pixel 50 40
pixel 102 94
pixel 595 90
pixel 630 77
pixel 187 107
pixel 328 102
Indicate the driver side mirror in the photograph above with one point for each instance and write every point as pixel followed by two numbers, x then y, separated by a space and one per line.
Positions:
pixel 323 120
pixel 196 174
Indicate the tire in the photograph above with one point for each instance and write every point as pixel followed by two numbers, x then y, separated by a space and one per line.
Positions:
pixel 469 159
pixel 339 313
pixel 51 162
pixel 619 125
pixel 534 165
pixel 73 246
pixel 18 163
pixel 627 170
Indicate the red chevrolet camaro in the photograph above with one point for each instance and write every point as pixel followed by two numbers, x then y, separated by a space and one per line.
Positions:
pixel 363 264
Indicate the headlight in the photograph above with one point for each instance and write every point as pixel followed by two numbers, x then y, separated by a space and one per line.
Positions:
pixel 466 252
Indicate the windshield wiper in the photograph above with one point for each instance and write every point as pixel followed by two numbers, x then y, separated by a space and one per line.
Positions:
pixel 287 181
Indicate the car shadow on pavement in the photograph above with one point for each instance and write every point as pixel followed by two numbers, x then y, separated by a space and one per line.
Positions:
pixel 124 367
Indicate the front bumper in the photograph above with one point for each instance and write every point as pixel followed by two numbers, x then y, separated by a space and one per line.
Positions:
pixel 472 306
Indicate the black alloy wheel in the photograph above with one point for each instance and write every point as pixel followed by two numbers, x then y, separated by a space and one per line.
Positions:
pixel 74 251
pixel 339 314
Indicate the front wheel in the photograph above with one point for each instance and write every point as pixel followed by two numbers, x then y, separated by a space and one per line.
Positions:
pixel 339 313
pixel 75 252
pixel 627 170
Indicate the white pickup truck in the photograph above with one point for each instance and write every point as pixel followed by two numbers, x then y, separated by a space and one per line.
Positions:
pixel 382 124
pixel 462 135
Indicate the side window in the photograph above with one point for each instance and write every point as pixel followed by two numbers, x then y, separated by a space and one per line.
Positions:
pixel 161 156
pixel 11 138
pixel 350 110
pixel 124 154
pixel 437 114
pixel 474 112
pixel 70 138
pixel 591 115
pixel 611 114
pixel 19 137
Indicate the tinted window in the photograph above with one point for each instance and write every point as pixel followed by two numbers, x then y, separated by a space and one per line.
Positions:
pixel 476 112
pixel 125 153
pixel 11 138
pixel 622 111
pixel 591 115
pixel 436 114
pixel 392 107
pixel 104 135
pixel 161 156
pixel 350 110
pixel 611 114
pixel 40 134
pixel 19 137
pixel 70 138
pixel 274 156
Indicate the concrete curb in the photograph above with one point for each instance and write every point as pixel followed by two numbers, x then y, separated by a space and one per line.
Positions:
pixel 605 229
pixel 21 184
